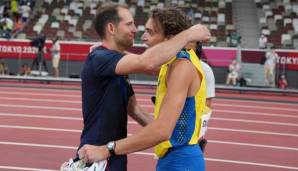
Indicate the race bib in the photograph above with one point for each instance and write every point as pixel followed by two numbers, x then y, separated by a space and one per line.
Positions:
pixel 204 123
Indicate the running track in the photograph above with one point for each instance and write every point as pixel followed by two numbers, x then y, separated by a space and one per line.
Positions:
pixel 40 125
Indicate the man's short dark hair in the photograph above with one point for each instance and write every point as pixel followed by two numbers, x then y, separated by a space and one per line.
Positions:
pixel 105 14
pixel 170 20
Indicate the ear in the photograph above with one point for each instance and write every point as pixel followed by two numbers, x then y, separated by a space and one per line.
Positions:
pixel 111 28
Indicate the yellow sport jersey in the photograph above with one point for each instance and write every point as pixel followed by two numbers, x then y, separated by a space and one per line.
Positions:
pixel 188 126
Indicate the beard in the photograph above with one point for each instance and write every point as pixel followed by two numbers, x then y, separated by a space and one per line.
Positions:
pixel 125 43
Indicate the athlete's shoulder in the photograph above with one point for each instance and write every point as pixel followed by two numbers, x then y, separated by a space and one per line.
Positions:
pixel 183 54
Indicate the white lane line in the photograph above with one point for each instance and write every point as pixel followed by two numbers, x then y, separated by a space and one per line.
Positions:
pixel 41 116
pixel 40 100
pixel 251 163
pixel 44 128
pixel 255 121
pixel 24 168
pixel 253 145
pixel 22 89
pixel 151 154
pixel 56 146
pixel 217 100
pixel 146 100
pixel 254 113
pixel 209 140
pixel 250 121
pixel 134 123
pixel 253 131
pixel 255 101
pixel 41 107
pixel 40 128
pixel 145 106
pixel 149 106
pixel 255 107
pixel 242 106
pixel 38 145
pixel 39 94
pixel 51 92
pixel 213 118
pixel 50 117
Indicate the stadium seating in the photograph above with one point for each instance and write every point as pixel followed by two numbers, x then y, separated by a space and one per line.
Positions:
pixel 72 19
pixel 279 21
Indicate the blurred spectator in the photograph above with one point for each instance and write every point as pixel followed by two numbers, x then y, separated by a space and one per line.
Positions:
pixel 6 26
pixel 2 10
pixel 14 8
pixel 3 67
pixel 18 27
pixel 282 82
pixel 25 70
pixel 233 75
pixel 269 67
pixel 31 3
pixel 263 42
pixel 25 11
pixel 233 39
pixel 55 50
pixel 22 2
pixel 7 7
pixel 39 60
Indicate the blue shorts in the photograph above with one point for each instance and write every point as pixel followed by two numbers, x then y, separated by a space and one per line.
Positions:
pixel 186 158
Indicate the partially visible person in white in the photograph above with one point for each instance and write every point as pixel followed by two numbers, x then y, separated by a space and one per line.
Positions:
pixel 233 76
pixel 210 83
pixel 210 80
pixel 210 91
pixel 56 56
pixel 269 67
pixel 263 42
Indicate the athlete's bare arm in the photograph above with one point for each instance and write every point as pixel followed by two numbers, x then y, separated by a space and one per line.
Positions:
pixel 135 111
pixel 179 79
pixel 157 55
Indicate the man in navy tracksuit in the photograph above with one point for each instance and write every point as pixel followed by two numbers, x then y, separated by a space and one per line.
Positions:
pixel 106 94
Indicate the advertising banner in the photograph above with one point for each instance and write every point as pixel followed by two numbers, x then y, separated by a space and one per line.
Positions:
pixel 77 51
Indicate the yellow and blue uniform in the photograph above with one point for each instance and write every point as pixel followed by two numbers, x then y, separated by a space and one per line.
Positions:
pixel 181 151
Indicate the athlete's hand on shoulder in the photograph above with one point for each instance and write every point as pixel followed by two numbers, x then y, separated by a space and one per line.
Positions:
pixel 92 153
pixel 199 32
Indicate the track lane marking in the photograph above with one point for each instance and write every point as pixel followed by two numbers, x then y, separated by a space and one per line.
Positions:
pixel 150 107
pixel 152 154
pixel 24 168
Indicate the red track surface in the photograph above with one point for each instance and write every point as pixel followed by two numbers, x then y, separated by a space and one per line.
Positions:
pixel 40 129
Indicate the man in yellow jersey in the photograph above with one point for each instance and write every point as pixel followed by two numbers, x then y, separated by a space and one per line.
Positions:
pixel 180 100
